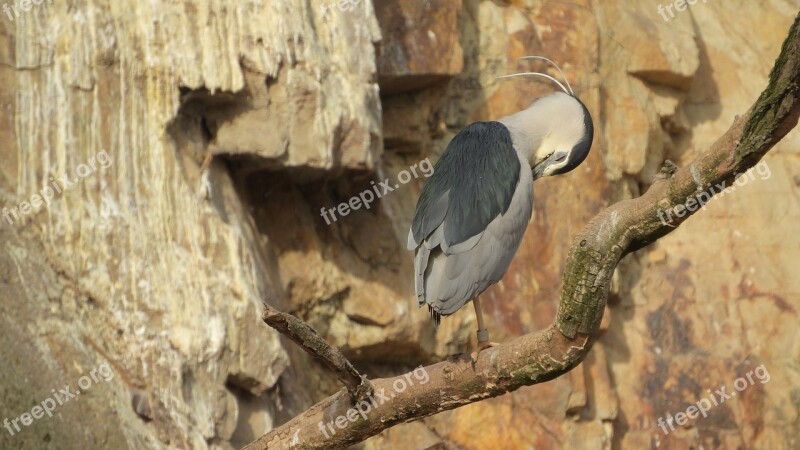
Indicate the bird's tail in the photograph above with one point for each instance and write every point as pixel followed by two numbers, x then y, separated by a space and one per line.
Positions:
pixel 435 316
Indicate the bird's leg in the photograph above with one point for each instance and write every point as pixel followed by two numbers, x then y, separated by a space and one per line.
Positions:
pixel 483 333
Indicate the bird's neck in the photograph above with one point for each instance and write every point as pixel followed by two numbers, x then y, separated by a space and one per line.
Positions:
pixel 528 129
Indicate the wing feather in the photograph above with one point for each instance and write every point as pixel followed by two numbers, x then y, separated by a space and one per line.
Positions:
pixel 470 191
pixel 472 183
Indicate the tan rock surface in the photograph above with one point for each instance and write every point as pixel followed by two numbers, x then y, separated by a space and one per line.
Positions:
pixel 229 125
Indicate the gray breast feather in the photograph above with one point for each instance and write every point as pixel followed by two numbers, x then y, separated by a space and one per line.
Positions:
pixel 470 218
pixel 447 281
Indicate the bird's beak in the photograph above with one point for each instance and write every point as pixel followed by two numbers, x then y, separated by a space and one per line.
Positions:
pixel 538 168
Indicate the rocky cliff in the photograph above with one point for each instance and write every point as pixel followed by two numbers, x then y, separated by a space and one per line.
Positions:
pixel 202 140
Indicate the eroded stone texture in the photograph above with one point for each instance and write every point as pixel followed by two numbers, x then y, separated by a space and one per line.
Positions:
pixel 157 266
pixel 230 125
pixel 420 43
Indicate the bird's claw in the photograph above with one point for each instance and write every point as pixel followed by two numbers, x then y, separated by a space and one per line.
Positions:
pixel 486 344
pixel 481 347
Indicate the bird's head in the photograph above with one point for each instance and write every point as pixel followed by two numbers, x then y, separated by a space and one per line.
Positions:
pixel 555 133
pixel 568 136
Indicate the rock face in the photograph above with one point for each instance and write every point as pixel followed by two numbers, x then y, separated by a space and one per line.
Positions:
pixel 213 149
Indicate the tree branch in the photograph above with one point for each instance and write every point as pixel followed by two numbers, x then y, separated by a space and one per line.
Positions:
pixel 306 337
pixel 620 229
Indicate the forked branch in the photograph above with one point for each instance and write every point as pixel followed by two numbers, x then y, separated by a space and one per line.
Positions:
pixel 307 338
pixel 620 229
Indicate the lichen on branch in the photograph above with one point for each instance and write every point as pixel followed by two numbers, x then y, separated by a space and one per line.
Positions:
pixel 620 229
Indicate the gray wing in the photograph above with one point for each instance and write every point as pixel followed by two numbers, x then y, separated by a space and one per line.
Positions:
pixel 452 279
pixel 477 174
pixel 469 193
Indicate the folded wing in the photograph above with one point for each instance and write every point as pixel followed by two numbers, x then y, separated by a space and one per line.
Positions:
pixel 470 217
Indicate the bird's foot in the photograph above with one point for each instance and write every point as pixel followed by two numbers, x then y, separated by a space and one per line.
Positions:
pixel 486 344
pixel 481 347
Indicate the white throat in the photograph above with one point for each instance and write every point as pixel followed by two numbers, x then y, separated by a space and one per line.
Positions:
pixel 552 123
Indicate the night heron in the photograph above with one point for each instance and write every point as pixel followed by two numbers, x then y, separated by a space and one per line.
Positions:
pixel 474 209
